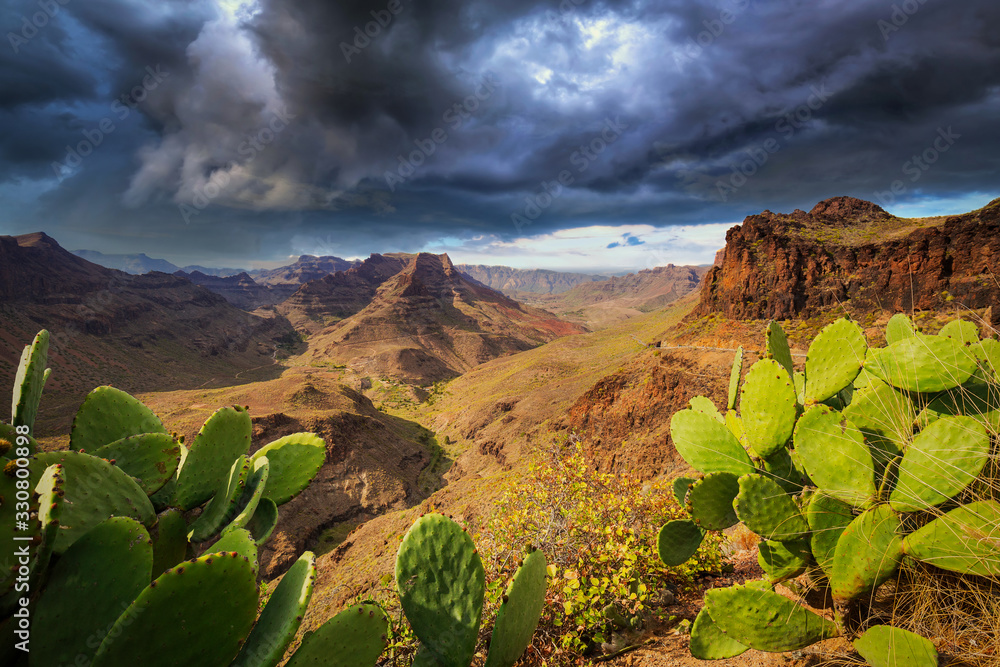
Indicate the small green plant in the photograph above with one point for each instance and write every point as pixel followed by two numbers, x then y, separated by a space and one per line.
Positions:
pixel 598 532
pixel 869 459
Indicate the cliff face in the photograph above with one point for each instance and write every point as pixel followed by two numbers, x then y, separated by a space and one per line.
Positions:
pixel 852 253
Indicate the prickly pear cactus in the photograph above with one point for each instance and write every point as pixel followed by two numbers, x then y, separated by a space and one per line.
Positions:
pixel 97 577
pixel 197 613
pixel 870 456
pixel 519 612
pixel 30 380
pixel 355 637
pixel 281 617
pixel 441 585
pixel 108 415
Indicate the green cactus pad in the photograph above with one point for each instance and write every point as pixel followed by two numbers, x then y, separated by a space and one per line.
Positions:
pixel 197 613
pixel 962 331
pixel 987 353
pixel 678 542
pixel 222 508
pixel 29 381
pixel 782 561
pixel 97 577
pixel 780 468
pixel 223 438
pixel 253 491
pixel 923 364
pixel 281 617
pixel 885 417
pixel 108 415
pixel 164 498
pixel 965 540
pixel 441 585
pixel 95 490
pixel 834 359
pixel 735 425
pixel 765 620
pixel 705 405
pixel 767 510
pixel 974 399
pixel 264 521
pixel 799 380
pixel 707 445
pixel 295 460
pixel 681 486
pixel 710 501
pixel 8 526
pixel 170 546
pixel 151 458
pixel 518 615
pixel 834 454
pixel 52 507
pixel 355 637
pixel 777 347
pixel 768 407
pixel 827 518
pixel 867 554
pixel 734 379
pixel 709 642
pixel 240 541
pixel 899 328
pixel 943 459
pixel 886 646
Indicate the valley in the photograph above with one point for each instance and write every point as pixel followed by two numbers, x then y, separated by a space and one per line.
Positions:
pixel 436 387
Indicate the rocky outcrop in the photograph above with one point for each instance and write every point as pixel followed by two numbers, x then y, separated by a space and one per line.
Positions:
pixel 851 253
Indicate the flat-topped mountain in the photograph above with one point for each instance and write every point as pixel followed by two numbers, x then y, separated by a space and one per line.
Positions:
pixel 513 282
pixel 430 321
pixel 852 253
pixel 134 331
pixel 302 270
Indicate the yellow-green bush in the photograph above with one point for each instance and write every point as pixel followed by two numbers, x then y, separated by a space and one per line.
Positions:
pixel 598 532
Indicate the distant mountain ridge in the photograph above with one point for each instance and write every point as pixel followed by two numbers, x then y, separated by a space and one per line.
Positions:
pixel 601 303
pixel 240 290
pixel 512 281
pixel 139 263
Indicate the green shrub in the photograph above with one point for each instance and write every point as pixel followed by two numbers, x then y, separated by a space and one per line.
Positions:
pixel 598 533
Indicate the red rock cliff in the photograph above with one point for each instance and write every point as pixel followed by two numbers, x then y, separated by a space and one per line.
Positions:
pixel 851 252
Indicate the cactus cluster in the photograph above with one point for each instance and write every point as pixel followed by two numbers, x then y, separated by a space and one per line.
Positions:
pixel 868 457
pixel 118 523
pixel 145 551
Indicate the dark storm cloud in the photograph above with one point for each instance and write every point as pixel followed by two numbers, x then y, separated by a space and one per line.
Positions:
pixel 289 125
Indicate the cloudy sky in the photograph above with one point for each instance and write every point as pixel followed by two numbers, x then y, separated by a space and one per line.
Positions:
pixel 561 134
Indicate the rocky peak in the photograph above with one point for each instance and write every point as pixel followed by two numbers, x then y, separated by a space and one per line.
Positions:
pixel 847 209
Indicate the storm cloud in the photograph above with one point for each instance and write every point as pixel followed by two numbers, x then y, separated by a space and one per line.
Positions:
pixel 280 126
